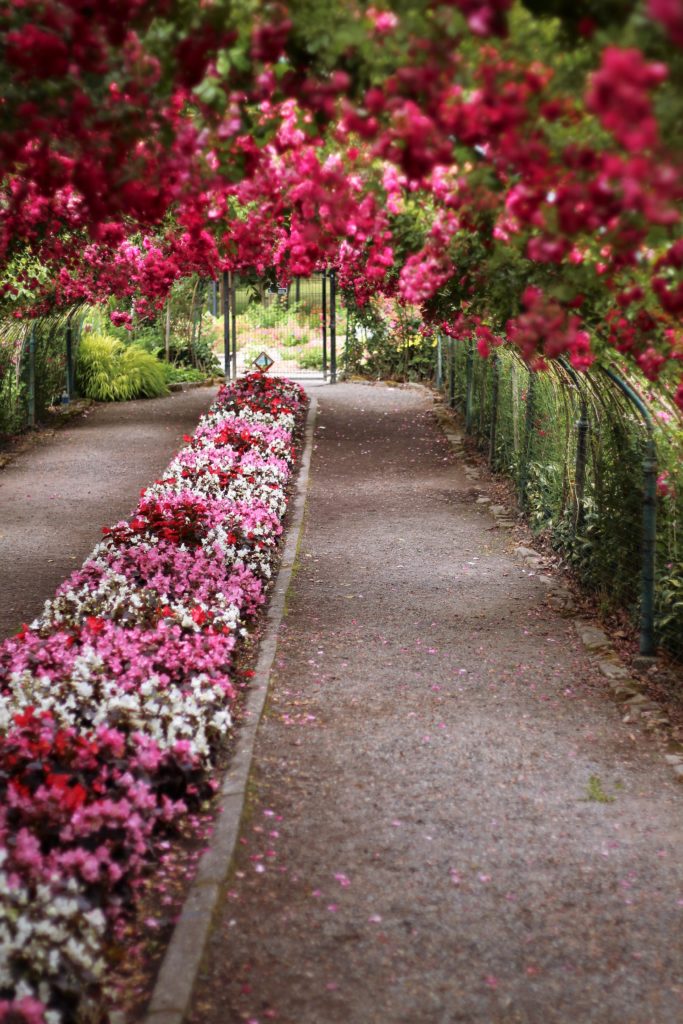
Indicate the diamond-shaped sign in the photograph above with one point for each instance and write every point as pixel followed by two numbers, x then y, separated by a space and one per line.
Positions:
pixel 263 362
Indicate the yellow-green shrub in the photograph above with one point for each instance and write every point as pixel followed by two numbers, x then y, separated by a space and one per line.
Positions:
pixel 109 371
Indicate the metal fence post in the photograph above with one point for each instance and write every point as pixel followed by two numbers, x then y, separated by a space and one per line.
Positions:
pixel 582 428
pixel 495 391
pixel 70 375
pixel 439 363
pixel 451 373
pixel 233 295
pixel 226 323
pixel 32 377
pixel 167 330
pixel 528 434
pixel 469 385
pixel 647 618
pixel 333 327
pixel 649 540
pixel 324 316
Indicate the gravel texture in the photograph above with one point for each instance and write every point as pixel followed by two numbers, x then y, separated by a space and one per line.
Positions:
pixel 448 820
pixel 56 496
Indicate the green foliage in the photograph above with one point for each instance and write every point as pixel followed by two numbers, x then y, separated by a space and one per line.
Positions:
pixel 669 608
pixel 274 313
pixel 310 359
pixel 598 533
pixel 572 13
pixel 109 371
pixel 179 374
pixel 292 340
pixel 12 398
pixel 384 341
pixel 50 366
pixel 596 793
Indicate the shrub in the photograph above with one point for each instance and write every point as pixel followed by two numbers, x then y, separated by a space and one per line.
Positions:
pixel 311 359
pixel 181 374
pixel 109 371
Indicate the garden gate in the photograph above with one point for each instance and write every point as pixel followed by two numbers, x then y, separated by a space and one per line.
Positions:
pixel 294 331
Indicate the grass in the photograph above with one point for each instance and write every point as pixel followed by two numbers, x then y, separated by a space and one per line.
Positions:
pixel 596 793
pixel 109 371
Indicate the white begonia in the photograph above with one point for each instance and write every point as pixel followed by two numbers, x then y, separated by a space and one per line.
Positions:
pixel 50 929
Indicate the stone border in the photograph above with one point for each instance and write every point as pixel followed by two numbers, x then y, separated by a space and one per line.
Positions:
pixel 629 693
pixel 175 982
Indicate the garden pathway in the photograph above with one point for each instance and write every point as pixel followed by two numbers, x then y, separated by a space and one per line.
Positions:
pixel 56 496
pixel 423 843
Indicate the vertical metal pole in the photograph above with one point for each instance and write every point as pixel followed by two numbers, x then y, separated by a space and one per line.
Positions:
pixel 495 393
pixel 226 324
pixel 70 383
pixel 649 541
pixel 439 363
pixel 333 327
pixel 233 293
pixel 297 290
pixel 324 316
pixel 469 387
pixel 167 334
pixel 451 373
pixel 581 459
pixel 528 434
pixel 647 609
pixel 32 377
pixel 214 297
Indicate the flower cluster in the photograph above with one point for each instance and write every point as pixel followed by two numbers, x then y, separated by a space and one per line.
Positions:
pixel 114 702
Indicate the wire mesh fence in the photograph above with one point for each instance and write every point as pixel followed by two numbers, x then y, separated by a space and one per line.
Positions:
pixel 300 328
pixel 596 465
pixel 36 367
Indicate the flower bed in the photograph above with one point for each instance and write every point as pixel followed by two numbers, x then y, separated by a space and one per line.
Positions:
pixel 115 702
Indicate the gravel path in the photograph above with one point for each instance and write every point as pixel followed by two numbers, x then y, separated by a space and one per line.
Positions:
pixel 55 497
pixel 449 822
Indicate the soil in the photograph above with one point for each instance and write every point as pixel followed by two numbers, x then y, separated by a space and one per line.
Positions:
pixel 449 822
pixel 57 492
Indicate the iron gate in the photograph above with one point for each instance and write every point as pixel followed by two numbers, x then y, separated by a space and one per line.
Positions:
pixel 293 331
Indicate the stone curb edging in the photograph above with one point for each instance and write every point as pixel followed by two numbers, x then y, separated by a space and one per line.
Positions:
pixel 175 982
pixel 629 693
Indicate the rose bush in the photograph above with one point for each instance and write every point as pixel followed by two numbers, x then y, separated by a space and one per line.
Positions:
pixel 115 701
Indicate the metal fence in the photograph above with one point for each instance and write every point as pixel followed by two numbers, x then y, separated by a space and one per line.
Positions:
pixel 296 331
pixel 585 452
pixel 36 367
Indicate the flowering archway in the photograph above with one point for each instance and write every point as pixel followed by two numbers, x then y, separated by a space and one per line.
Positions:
pixel 501 175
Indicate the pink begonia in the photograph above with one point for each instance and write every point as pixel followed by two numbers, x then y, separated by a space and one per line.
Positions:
pixel 91 770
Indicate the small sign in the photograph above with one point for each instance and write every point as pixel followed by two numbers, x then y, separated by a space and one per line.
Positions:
pixel 263 362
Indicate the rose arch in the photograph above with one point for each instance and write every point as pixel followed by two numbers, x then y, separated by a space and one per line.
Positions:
pixel 496 186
